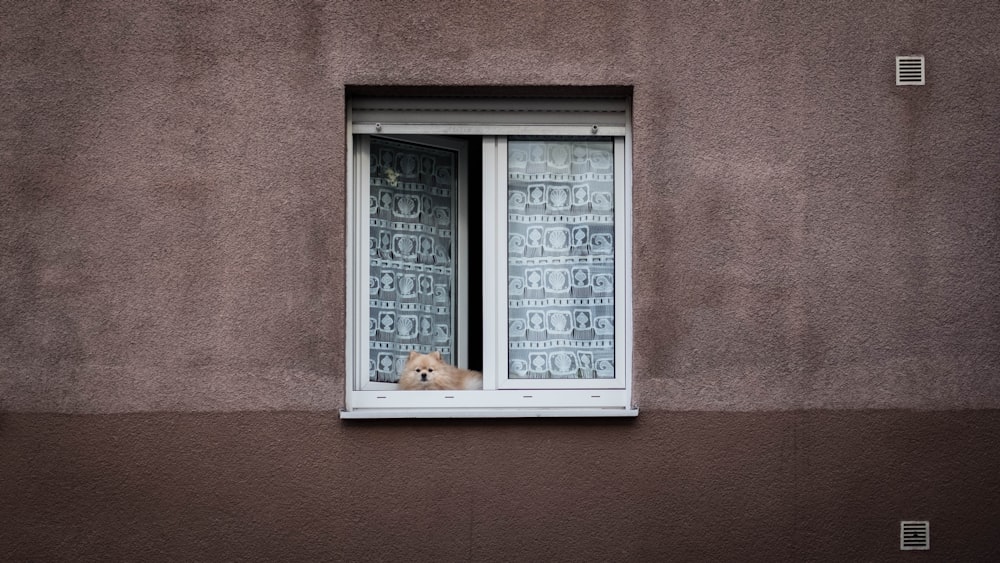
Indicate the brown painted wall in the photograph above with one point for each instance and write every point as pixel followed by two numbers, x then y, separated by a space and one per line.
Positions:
pixel 788 486
pixel 809 238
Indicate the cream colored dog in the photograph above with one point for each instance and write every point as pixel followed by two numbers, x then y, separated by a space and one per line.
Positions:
pixel 429 371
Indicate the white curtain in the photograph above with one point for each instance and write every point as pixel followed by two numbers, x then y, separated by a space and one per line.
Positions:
pixel 560 220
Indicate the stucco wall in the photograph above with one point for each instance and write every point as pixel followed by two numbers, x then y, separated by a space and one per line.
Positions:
pixel 807 234
pixel 782 486
pixel 811 242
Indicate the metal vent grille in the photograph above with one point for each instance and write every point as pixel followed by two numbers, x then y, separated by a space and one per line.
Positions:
pixel 914 535
pixel 910 70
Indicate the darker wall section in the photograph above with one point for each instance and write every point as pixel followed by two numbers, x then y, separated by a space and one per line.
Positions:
pixel 798 486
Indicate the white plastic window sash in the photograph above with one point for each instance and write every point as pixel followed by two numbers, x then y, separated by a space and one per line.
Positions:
pixel 494 245
pixel 495 225
pixel 358 233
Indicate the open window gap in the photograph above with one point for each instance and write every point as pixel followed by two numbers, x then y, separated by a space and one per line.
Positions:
pixel 474 195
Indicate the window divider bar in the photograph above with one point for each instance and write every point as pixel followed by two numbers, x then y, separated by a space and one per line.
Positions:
pixel 492 313
pixel 500 261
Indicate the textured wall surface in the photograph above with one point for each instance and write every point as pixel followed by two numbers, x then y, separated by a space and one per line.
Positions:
pixel 807 234
pixel 788 486
pixel 816 263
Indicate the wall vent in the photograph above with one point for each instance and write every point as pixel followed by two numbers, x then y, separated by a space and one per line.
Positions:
pixel 914 535
pixel 910 70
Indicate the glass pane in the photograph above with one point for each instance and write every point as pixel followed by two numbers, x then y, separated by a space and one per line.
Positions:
pixel 413 196
pixel 560 250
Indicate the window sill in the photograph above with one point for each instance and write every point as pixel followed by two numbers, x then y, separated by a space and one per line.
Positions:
pixel 491 413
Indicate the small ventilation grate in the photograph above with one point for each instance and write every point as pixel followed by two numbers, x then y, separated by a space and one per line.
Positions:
pixel 910 70
pixel 914 535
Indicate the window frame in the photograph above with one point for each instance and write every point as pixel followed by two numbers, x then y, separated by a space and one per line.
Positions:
pixel 498 268
pixel 501 396
pixel 360 270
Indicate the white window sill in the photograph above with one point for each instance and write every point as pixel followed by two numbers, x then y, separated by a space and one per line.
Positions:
pixel 491 413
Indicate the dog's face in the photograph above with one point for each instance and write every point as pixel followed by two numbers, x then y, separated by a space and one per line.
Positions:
pixel 423 371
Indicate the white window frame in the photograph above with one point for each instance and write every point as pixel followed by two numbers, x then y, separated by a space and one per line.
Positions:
pixel 501 396
pixel 360 267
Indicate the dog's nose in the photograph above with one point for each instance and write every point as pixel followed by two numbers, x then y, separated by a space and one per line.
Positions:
pixel 423 377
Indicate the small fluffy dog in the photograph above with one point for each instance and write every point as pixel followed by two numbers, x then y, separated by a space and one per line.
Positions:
pixel 429 371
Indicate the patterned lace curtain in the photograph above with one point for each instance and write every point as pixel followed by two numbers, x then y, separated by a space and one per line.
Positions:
pixel 560 259
pixel 411 276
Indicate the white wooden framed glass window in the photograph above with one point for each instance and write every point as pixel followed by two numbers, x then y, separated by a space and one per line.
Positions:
pixel 542 228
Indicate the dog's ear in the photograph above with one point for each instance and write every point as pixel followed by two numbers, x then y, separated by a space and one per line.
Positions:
pixel 413 354
pixel 436 355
